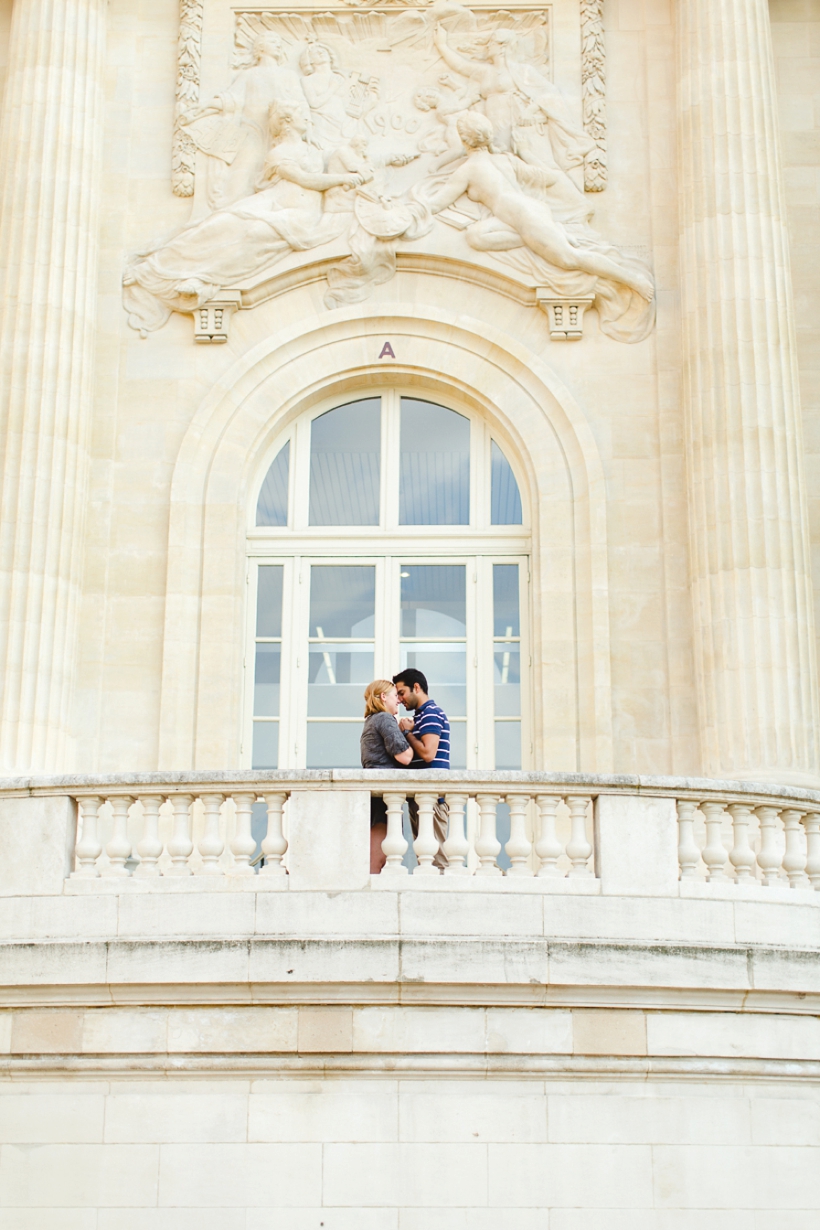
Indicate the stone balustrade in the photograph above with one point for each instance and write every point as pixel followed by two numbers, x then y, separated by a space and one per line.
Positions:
pixel 531 832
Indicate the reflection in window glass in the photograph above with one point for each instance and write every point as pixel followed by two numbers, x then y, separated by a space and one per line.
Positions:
pixel 506 620
pixel 433 600
pixel 334 745
pixel 267 671
pixel 345 453
pixel 434 631
pixel 342 601
pixel 505 498
pixel 269 601
pixel 507 666
pixel 340 661
pixel 434 475
pixel 272 506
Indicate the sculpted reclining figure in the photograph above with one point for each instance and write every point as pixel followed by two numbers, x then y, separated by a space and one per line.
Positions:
pixel 286 214
pixel 499 182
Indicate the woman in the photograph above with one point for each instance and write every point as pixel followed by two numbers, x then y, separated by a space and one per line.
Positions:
pixel 383 746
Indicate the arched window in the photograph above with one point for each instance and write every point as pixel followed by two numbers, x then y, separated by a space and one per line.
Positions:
pixel 389 532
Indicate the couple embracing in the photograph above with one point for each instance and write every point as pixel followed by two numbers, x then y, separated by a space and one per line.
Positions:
pixel 421 741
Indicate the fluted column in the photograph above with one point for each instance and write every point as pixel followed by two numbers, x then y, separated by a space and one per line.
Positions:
pixel 754 635
pixel 50 163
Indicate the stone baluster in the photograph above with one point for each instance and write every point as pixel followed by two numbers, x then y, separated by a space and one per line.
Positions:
pixel 749 537
pixel 519 847
pixel 181 845
pixel 394 845
pixel 89 847
pixel 211 845
pixel 794 859
pixel 688 849
pixel 243 846
pixel 50 162
pixel 811 824
pixel 769 856
pixel 274 844
pixel 119 847
pixel 149 848
pixel 548 848
pixel 456 847
pixel 426 845
pixel 742 856
pixel 714 852
pixel 578 846
pixel 487 845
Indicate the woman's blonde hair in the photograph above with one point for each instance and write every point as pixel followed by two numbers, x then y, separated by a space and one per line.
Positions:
pixel 373 696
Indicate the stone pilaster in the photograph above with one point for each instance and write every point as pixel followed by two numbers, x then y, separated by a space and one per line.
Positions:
pixel 50 163
pixel 750 577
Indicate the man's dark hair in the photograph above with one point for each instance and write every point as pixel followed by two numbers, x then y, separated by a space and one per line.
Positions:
pixel 411 677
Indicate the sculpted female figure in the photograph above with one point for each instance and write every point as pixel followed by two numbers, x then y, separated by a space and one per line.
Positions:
pixel 233 126
pixel 243 239
pixel 326 91
pixel 516 96
pixel 492 78
pixel 519 220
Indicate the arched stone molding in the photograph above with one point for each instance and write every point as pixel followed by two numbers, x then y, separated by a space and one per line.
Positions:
pixel 220 464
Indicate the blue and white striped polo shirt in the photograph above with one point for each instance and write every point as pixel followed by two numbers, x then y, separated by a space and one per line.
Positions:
pixel 429 719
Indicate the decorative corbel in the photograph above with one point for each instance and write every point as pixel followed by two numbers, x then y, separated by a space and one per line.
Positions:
pixel 212 320
pixel 566 316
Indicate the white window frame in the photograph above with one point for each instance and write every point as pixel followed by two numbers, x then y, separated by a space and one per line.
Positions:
pixel 478 546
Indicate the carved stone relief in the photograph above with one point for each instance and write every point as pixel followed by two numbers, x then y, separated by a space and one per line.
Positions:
pixel 593 80
pixel 189 60
pixel 367 130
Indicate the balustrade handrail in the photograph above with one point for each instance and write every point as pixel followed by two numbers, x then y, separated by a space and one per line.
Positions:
pixel 578 832
pixel 510 781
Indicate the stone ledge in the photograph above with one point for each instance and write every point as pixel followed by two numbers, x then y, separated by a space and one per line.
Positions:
pixel 252 1068
pixel 401 1031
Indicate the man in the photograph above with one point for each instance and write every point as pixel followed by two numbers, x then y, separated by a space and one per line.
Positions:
pixel 428 733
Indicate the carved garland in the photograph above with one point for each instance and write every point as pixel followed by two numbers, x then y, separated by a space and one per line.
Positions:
pixel 183 163
pixel 593 78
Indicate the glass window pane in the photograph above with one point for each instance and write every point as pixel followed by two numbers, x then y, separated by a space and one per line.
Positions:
pixel 445 668
pixel 505 500
pixel 342 601
pixel 508 745
pixel 458 745
pixel 266 680
pixel 337 677
pixel 507 673
pixel 272 505
pixel 433 600
pixel 502 833
pixel 342 604
pixel 506 620
pixel 434 482
pixel 333 745
pixel 269 601
pixel 265 745
pixel 345 452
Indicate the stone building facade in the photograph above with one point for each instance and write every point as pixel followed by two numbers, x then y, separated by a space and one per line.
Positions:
pixel 338 338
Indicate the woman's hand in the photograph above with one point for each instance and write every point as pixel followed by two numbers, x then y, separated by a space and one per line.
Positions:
pixel 405 724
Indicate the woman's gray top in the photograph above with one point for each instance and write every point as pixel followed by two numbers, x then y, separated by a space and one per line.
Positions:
pixel 381 740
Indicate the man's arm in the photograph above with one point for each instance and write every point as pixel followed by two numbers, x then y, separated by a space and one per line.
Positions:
pixel 425 747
